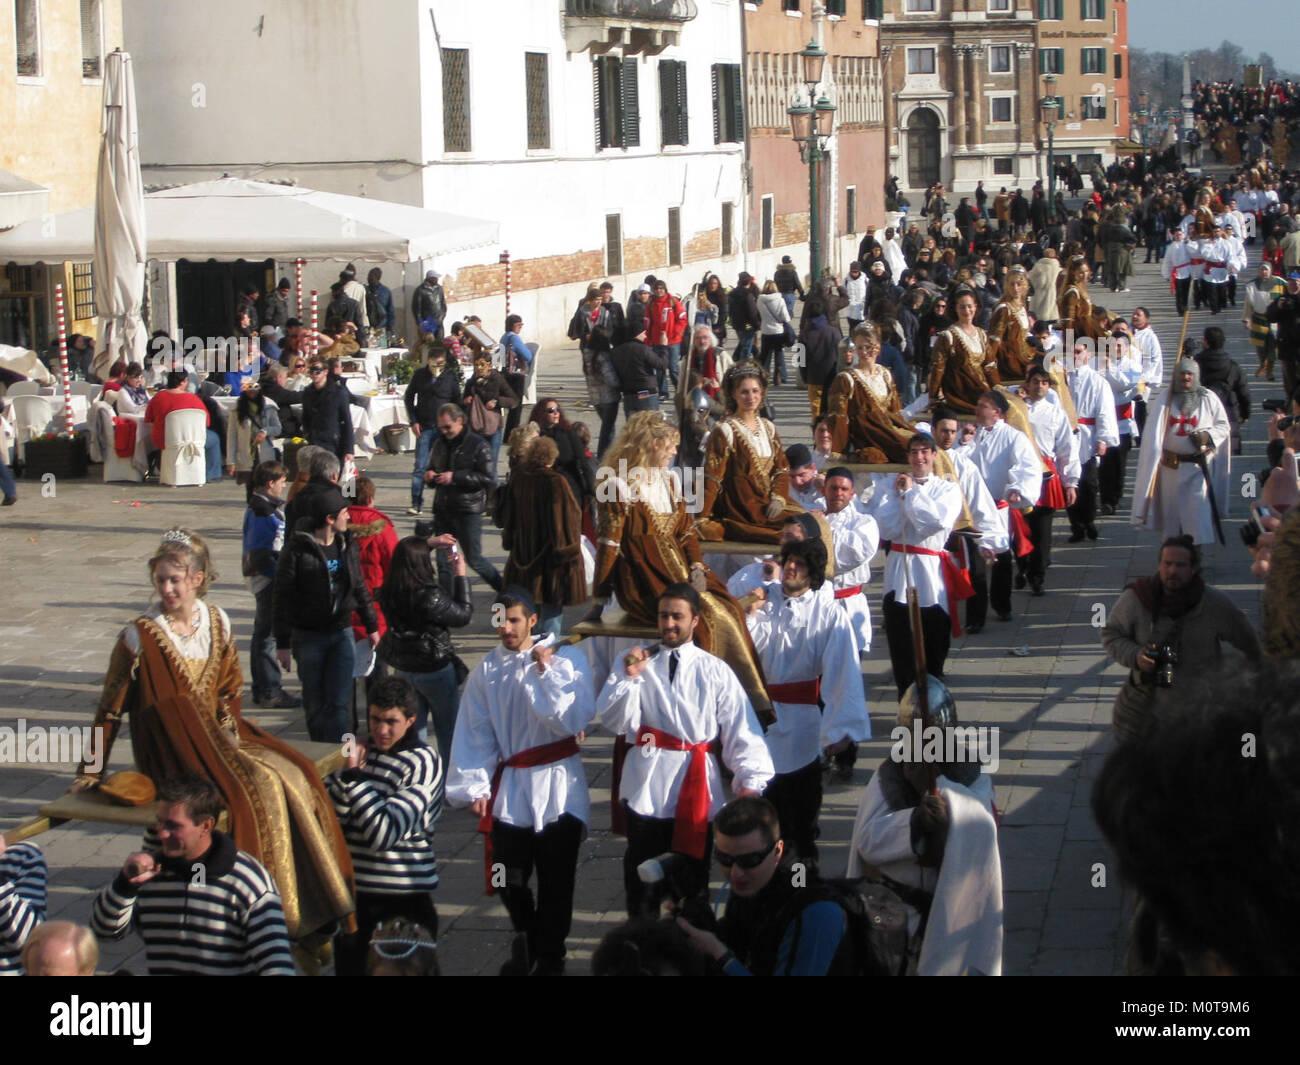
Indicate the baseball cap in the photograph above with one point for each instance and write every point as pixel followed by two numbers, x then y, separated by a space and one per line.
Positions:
pixel 1294 275
pixel 326 502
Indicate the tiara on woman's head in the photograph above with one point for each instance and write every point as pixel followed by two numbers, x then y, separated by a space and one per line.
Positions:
pixel 177 536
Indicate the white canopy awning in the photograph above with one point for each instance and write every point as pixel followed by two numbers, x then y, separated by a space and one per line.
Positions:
pixel 21 200
pixel 236 219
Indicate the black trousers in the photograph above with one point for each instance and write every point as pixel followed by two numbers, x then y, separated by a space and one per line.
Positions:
pixel 553 851
pixel 1083 514
pixel 797 797
pixel 1181 287
pixel 1034 565
pixel 992 586
pixel 936 635
pixel 352 949
pixel 1215 297
pixel 1140 415
pixel 649 837
pixel 967 547
pixel 1111 469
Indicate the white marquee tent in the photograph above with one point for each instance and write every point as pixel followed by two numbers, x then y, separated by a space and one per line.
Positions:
pixel 231 218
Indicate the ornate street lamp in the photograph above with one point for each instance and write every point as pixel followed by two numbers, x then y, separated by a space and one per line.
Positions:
pixel 1050 106
pixel 812 126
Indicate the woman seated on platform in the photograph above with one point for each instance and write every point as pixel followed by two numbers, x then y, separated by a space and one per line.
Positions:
pixel 175 671
pixel 646 542
pixel 962 368
pixel 863 406
pixel 746 475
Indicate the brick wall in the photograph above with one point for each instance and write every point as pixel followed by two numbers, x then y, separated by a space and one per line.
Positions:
pixel 474 282
pixel 790 229
pixel 703 246
pixel 644 253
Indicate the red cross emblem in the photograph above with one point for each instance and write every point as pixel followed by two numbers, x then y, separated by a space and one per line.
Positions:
pixel 1182 423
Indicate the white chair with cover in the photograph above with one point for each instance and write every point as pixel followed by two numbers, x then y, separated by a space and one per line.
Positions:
pixel 32 416
pixel 185 436
pixel 116 468
pixel 86 388
pixel 25 388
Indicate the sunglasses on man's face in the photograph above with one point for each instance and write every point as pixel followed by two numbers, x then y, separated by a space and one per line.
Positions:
pixel 752 860
pixel 317 369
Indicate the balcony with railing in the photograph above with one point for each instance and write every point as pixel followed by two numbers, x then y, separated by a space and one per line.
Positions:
pixel 631 26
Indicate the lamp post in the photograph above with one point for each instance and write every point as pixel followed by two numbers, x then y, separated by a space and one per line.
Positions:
pixel 1049 105
pixel 1143 117
pixel 811 125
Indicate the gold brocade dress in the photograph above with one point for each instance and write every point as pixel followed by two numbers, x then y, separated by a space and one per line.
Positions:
pixel 865 416
pixel 183 696
pixel 646 541
pixel 961 369
pixel 1009 337
pixel 1076 313
pixel 743 471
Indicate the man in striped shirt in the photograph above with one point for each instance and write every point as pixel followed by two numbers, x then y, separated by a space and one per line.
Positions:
pixel 202 907
pixel 22 900
pixel 388 797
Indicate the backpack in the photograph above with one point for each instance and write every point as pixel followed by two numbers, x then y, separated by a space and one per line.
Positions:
pixel 876 941
pixel 578 324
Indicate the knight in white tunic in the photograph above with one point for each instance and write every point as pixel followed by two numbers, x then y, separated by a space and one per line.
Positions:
pixel 1188 426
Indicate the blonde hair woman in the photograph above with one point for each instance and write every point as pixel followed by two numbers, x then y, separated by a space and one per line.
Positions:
pixel 646 542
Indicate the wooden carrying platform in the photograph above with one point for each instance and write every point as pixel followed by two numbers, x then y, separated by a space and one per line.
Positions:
pixel 95 806
pixel 619 626
pixel 877 467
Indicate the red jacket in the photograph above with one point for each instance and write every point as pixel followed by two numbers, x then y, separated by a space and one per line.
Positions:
pixel 665 321
pixel 376 538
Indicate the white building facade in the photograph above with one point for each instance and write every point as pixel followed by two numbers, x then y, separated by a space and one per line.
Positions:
pixel 605 136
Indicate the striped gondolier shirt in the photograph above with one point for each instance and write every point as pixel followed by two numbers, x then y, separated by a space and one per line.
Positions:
pixel 22 901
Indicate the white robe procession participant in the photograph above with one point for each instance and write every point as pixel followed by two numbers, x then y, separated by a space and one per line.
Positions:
pixel 1188 427
pixel 1059 449
pixel 515 761
pixel 987 536
pixel 856 538
pixel 1121 367
pixel 1095 404
pixel 810 660
pixel 766 572
pixel 671 701
pixel 1153 361
pixel 803 478
pixel 956 879
pixel 1179 266
pixel 916 514
pixel 1011 467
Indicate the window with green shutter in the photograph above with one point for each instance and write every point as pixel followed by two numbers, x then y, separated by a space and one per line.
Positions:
pixel 728 104
pixel 673 120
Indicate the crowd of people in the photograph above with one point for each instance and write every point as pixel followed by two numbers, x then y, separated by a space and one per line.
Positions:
pixel 962 388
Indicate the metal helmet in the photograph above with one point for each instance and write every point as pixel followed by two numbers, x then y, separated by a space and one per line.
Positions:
pixel 943 708
pixel 700 402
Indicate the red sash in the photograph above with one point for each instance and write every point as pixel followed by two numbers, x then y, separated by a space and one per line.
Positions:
pixel 691 820
pixel 528 758
pixel 851 590
pixel 799 692
pixel 956 581
pixel 124 437
pixel 1053 494
pixel 1019 529
pixel 1087 421
pixel 1125 411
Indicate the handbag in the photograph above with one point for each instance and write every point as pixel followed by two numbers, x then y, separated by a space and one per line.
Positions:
pixel 791 338
pixel 481 420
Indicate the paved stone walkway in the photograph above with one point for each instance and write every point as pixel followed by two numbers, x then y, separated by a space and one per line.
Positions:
pixel 74 574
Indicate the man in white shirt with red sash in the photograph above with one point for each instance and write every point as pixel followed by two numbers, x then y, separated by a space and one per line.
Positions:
pixel 1059 449
pixel 856 538
pixel 974 547
pixel 1009 463
pixel 916 514
pixel 515 762
pixel 671 702
pixel 1094 403
pixel 810 660
pixel 1178 267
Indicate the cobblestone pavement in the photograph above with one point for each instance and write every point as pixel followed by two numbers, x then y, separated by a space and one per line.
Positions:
pixel 74 573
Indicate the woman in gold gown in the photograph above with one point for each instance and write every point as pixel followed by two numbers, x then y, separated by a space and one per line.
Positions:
pixel 646 541
pixel 863 408
pixel 962 365
pixel 1073 303
pixel 176 672
pixel 1008 330
pixel 746 475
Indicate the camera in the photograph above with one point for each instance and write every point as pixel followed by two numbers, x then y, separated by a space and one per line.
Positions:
pixel 1283 424
pixel 1165 658
pixel 1277 406
pixel 424 529
pixel 673 876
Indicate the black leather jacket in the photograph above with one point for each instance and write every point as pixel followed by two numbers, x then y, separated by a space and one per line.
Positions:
pixel 417 640
pixel 469 458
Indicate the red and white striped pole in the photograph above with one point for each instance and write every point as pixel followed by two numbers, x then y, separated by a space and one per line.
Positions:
pixel 298 268
pixel 63 359
pixel 315 324
pixel 505 258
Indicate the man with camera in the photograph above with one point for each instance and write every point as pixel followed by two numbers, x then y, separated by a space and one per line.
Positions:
pixel 1284 312
pixel 1166 626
